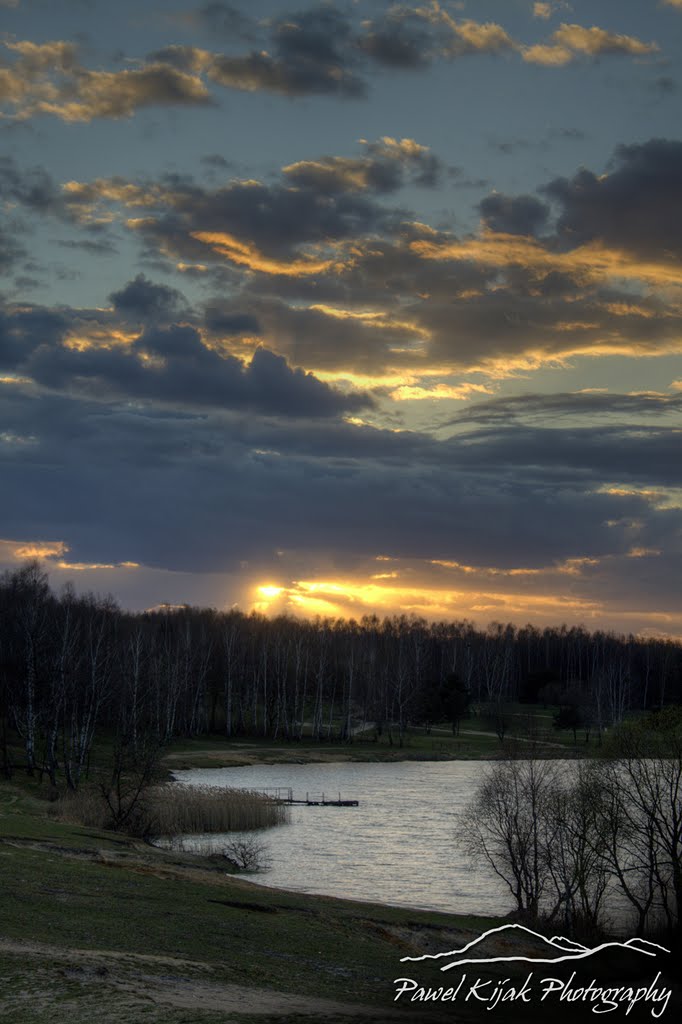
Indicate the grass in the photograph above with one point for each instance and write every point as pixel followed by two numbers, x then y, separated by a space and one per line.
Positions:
pixel 67 888
pixel 476 741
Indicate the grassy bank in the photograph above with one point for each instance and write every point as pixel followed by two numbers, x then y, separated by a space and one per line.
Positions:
pixel 89 917
pixel 476 740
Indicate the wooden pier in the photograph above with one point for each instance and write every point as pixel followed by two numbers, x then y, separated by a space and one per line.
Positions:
pixel 286 795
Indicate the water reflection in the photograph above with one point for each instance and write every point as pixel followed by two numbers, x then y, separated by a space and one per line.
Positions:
pixel 398 846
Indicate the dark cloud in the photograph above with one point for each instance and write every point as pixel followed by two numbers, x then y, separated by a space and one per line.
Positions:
pixel 635 206
pixel 515 215
pixel 222 321
pixel 187 374
pixel 571 404
pixel 22 330
pixel 228 488
pixel 401 39
pixel 586 456
pixel 310 54
pixel 325 51
pixel 166 364
pixel 261 71
pixel 89 246
pixel 216 161
pixel 275 218
pixel 12 252
pixel 141 299
pixel 31 187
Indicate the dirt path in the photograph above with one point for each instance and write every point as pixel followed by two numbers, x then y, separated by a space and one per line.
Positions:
pixel 123 979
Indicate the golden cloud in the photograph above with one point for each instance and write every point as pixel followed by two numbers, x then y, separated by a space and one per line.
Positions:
pixel 98 337
pixel 570 41
pixel 13 551
pixel 438 392
pixel 246 254
pixel 594 261
pixel 47 79
pixel 19 550
pixel 339 598
pixel 89 566
pixel 594 41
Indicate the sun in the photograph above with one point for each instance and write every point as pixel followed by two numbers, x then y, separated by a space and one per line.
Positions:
pixel 270 591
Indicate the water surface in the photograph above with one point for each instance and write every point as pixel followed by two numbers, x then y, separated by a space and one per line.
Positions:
pixel 399 846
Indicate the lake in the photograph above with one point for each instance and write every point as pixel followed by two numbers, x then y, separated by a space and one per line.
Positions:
pixel 398 846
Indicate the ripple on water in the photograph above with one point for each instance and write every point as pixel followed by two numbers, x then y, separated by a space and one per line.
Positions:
pixel 397 847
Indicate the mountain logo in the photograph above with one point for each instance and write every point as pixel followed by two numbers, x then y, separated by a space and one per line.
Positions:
pixel 558 949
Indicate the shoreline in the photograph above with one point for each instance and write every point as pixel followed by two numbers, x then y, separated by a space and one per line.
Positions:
pixel 243 754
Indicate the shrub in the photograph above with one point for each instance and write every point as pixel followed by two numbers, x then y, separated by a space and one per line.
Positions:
pixel 247 854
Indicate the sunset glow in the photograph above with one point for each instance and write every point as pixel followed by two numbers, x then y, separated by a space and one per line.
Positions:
pixel 270 308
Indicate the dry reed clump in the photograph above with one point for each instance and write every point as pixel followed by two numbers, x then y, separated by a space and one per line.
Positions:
pixel 86 806
pixel 177 809
pixel 172 809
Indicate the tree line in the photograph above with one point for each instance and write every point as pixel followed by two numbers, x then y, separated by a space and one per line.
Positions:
pixel 73 664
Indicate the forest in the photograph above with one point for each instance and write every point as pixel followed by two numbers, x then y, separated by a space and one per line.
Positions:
pixel 73 665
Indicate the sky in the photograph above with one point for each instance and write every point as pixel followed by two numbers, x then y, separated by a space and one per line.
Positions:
pixel 346 308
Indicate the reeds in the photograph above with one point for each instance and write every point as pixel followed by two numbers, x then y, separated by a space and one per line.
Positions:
pixel 86 806
pixel 173 809
pixel 181 810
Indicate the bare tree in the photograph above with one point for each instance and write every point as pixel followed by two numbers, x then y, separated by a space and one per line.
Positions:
pixel 505 824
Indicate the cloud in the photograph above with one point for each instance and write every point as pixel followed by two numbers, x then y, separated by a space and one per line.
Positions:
pixel 320 51
pixel 633 207
pixel 388 165
pixel 224 322
pixel 402 39
pixel 258 71
pixel 167 364
pixel 579 404
pixel 249 223
pixel 352 492
pixel 141 299
pixel 102 248
pixel 32 188
pixel 47 78
pixel 338 280
pixel 473 37
pixel 12 252
pixel 572 41
pixel 310 55
pixel 22 330
pixel 412 37
pixel 514 215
